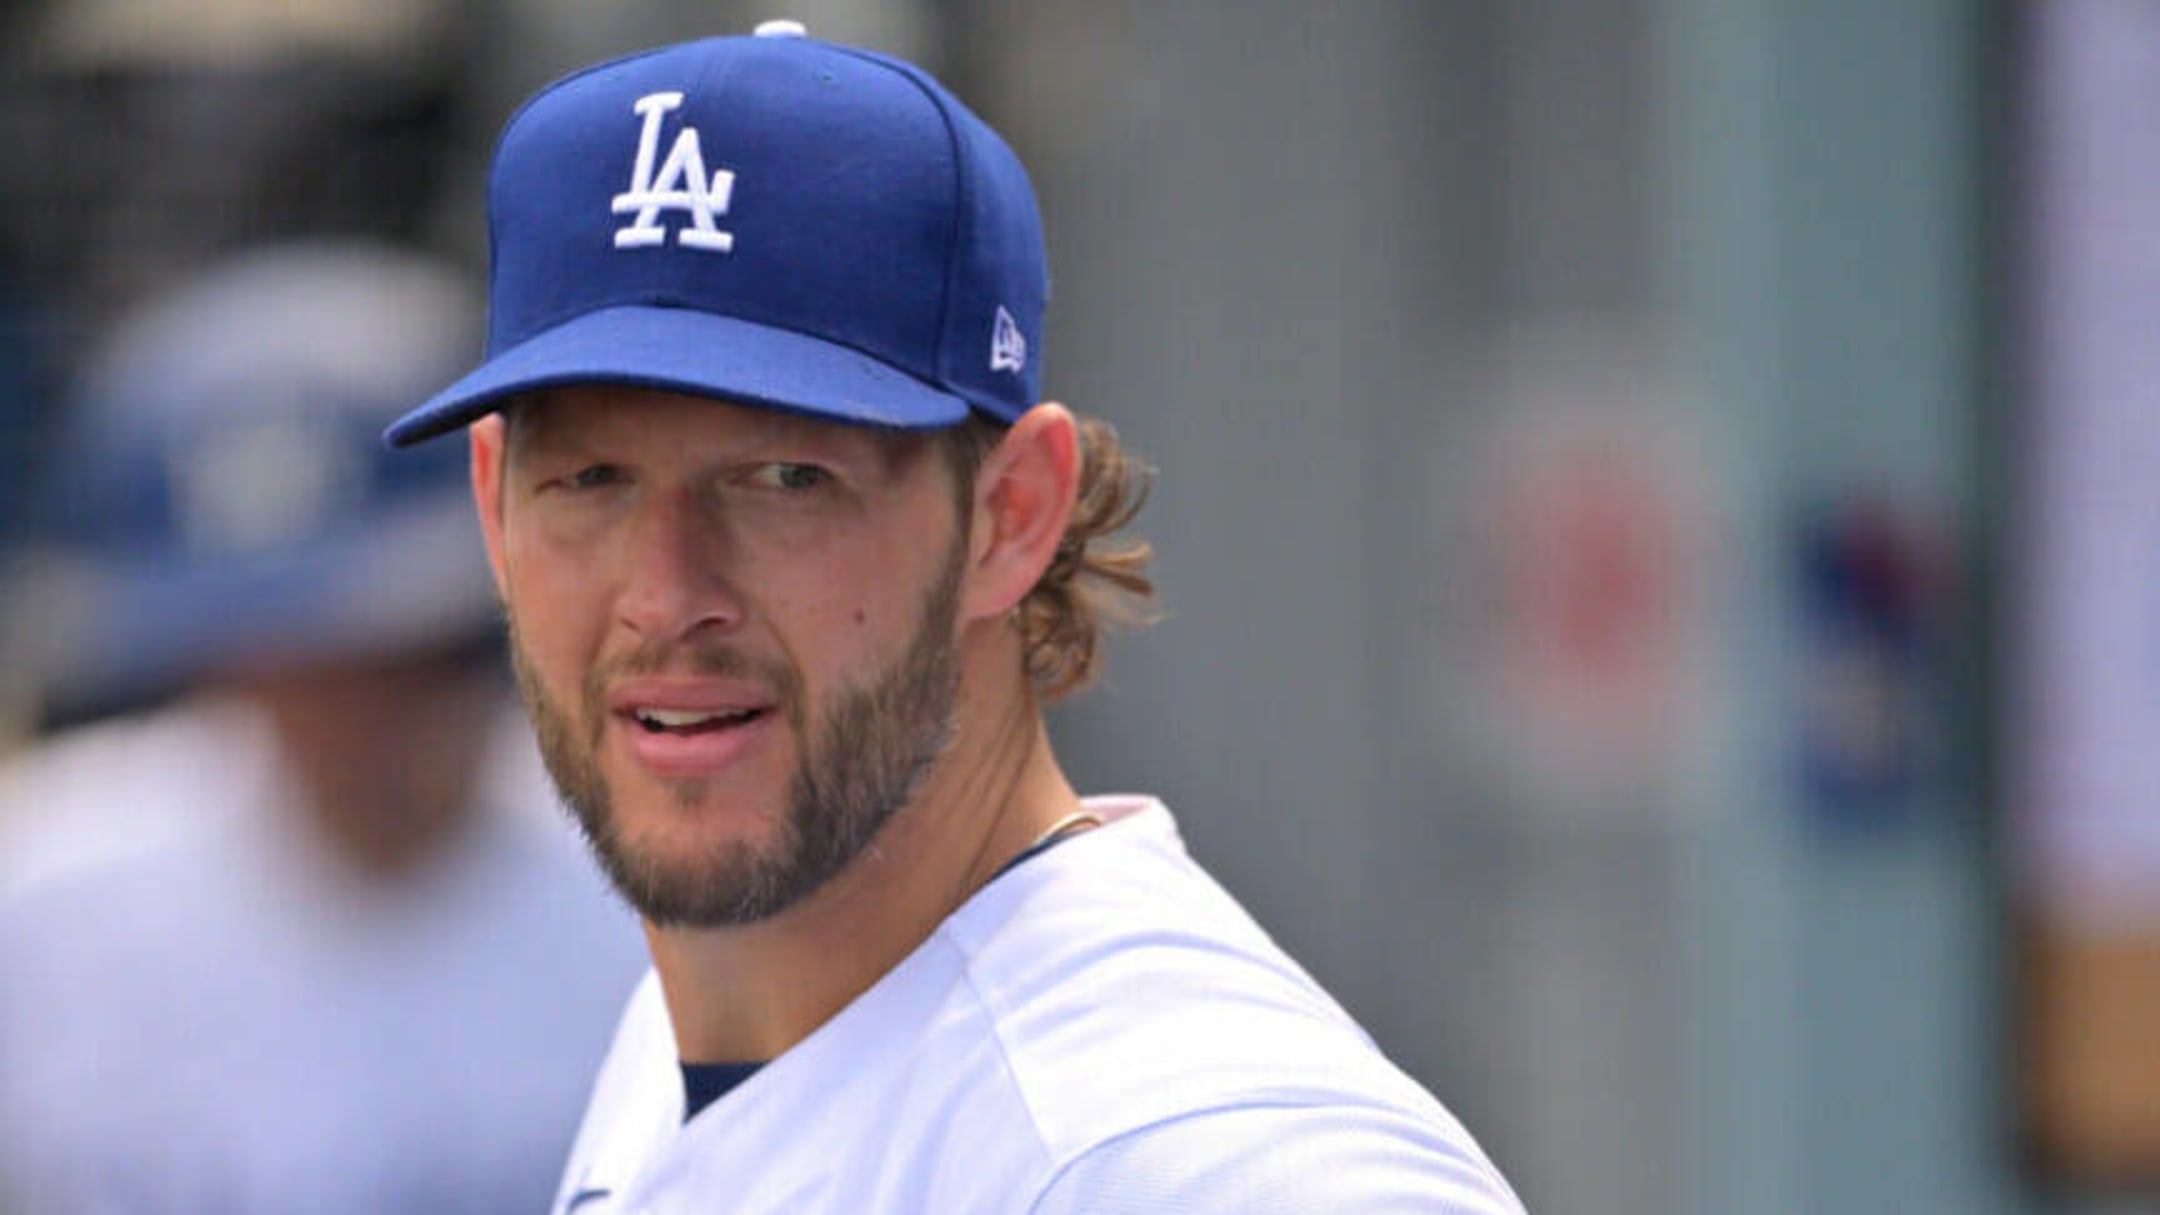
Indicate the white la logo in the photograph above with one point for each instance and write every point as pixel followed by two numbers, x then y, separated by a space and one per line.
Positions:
pixel 681 184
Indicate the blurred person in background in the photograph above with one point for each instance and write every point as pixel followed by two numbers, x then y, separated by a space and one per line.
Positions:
pixel 140 140
pixel 303 934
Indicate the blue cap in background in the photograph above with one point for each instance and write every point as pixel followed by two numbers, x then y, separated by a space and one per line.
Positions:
pixel 220 496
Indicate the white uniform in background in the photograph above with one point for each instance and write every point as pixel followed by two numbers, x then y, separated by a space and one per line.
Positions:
pixel 1100 1030
pixel 200 1013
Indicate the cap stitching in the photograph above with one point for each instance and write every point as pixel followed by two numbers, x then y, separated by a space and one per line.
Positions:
pixel 961 190
pixel 962 193
pixel 495 159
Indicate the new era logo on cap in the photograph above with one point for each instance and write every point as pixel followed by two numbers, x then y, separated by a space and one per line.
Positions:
pixel 770 220
pixel 1008 346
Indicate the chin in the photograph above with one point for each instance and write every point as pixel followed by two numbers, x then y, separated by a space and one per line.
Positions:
pixel 681 820
pixel 695 877
pixel 700 853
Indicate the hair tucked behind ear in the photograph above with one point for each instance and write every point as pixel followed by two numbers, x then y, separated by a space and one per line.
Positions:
pixel 1098 580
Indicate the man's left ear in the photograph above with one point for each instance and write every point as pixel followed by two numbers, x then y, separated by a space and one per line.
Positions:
pixel 1024 494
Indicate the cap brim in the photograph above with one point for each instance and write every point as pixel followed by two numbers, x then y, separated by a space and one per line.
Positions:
pixel 684 350
pixel 403 581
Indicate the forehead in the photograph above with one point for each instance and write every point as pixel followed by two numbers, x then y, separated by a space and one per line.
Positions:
pixel 585 415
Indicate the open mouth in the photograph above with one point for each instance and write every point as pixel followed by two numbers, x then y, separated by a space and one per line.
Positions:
pixel 686 722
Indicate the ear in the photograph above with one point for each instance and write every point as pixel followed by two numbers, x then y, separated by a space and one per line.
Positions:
pixel 1024 494
pixel 490 441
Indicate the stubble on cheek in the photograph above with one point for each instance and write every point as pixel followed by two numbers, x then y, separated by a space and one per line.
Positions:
pixel 571 760
pixel 858 760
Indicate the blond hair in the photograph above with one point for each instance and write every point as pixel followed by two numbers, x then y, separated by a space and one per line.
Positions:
pixel 1098 580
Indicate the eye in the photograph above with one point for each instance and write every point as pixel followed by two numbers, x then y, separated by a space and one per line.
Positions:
pixel 592 476
pixel 782 474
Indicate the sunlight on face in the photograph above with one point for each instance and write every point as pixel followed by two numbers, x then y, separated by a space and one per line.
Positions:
pixel 737 648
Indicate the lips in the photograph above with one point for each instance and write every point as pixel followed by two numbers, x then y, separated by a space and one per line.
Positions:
pixel 679 727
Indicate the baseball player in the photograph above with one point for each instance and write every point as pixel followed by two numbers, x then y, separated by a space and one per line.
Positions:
pixel 792 557
pixel 289 941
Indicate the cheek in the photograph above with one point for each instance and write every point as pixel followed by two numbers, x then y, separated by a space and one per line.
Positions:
pixel 848 616
pixel 559 611
pixel 822 624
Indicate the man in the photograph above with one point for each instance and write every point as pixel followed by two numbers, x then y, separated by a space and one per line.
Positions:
pixel 792 555
pixel 289 940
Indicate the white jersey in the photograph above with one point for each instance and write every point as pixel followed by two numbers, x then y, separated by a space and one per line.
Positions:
pixel 200 1013
pixel 1101 1030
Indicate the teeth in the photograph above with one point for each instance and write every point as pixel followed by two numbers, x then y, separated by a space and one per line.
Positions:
pixel 678 719
pixel 674 717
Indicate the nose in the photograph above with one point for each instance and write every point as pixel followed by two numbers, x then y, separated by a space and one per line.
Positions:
pixel 674 582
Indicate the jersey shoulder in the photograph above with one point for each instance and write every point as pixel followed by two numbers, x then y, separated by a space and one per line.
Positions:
pixel 1281 1160
pixel 1101 1021
pixel 1129 994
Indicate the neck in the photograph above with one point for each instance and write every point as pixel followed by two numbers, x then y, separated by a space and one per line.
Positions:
pixel 749 993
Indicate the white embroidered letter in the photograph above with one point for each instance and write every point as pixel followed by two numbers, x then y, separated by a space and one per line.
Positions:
pixel 1008 346
pixel 680 184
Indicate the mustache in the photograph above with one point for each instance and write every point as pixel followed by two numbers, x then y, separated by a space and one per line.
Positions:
pixel 695 658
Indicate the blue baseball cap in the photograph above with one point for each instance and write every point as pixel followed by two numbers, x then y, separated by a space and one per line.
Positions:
pixel 221 497
pixel 772 220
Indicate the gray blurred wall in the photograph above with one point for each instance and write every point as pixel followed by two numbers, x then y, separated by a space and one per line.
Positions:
pixel 1352 274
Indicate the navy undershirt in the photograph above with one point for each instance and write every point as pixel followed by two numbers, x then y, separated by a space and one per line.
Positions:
pixel 705 1083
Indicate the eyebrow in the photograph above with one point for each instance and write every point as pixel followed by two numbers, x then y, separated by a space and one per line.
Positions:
pixel 527 422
